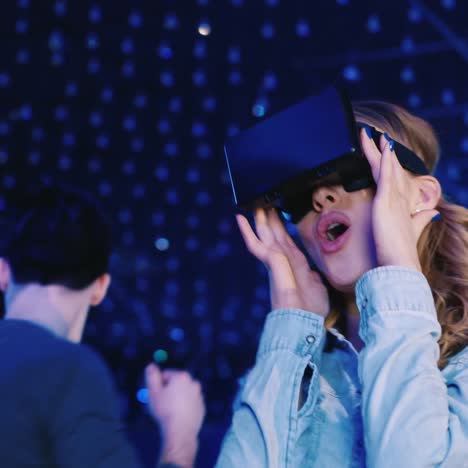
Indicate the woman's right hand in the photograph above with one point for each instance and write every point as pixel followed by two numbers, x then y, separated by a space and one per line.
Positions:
pixel 293 285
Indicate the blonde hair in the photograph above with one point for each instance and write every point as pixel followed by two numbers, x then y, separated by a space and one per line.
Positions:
pixel 443 245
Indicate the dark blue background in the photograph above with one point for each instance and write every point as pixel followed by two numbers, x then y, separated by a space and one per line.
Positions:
pixel 131 102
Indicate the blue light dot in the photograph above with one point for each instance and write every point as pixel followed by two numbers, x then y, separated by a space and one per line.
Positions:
pixel 95 119
pixel 232 129
pixel 4 128
pixel 198 129
pixel 171 21
pixel 160 356
pixel 192 221
pixel 143 395
pixel 302 28
pixel 135 20
pixel 57 59
pixel 127 46
pixel 137 145
pixel 167 79
pixel 448 97
pixel 65 163
pixel 128 168
pixel 199 49
pixel 34 158
pixel 258 110
pixel 373 24
pixel 23 3
pixel 204 151
pixel 235 78
pixel 414 100
pixel 267 30
pixel 270 81
pixel 172 287
pixel 407 44
pixel 272 3
pixel 138 192
pixel 22 57
pixel 128 69
pixel 140 101
pixel 237 3
pixel 102 141
pixel 407 75
pixel 9 182
pixel 164 126
pixel 92 41
pixel 414 15
pixel 94 14
pixel 37 134
pixel 342 2
pixel 175 104
pixel 25 112
pixel 161 173
pixel 94 166
pixel 4 80
pixel 165 51
pixel 172 264
pixel 234 55
pixel 449 4
pixel 209 104
pixel 352 73
pixel 21 26
pixel 107 94
pixel 199 78
pixel 192 176
pixel 56 41
pixel 161 244
pixel 158 218
pixel 3 156
pixel 68 139
pixel 192 244
pixel 464 145
pixel 203 198
pixel 177 334
pixel 71 89
pixel 171 149
pixel 93 66
pixel 129 123
pixel 60 8
pixel 172 197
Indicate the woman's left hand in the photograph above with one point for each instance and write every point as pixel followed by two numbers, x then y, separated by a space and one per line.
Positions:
pixel 396 231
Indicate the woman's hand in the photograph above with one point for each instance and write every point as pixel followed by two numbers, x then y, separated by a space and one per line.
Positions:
pixel 292 283
pixel 396 231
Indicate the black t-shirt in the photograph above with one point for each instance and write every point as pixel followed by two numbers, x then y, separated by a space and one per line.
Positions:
pixel 58 407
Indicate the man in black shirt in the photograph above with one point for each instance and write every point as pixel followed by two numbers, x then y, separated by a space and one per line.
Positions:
pixel 57 402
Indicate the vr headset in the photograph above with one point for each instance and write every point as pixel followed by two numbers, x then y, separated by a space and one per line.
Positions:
pixel 281 160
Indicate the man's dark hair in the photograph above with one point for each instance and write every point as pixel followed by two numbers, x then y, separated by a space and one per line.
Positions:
pixel 61 237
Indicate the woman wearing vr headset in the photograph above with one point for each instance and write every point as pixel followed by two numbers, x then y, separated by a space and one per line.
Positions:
pixel 363 362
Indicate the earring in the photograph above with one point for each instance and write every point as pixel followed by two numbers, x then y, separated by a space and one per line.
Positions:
pixel 416 211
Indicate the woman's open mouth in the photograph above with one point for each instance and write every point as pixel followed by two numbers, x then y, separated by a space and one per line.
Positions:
pixel 333 230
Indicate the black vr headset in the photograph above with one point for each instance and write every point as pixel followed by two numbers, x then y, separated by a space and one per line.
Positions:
pixel 281 160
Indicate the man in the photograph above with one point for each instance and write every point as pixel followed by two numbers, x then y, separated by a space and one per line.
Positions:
pixel 57 403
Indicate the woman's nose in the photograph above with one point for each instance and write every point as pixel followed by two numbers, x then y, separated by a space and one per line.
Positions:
pixel 324 197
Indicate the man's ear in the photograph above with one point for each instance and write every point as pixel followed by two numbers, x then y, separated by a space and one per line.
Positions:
pixel 100 287
pixel 429 192
pixel 5 274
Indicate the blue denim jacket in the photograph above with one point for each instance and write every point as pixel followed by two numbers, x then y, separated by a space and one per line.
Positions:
pixel 388 406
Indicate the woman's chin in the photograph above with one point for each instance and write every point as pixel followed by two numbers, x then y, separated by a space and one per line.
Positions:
pixel 345 281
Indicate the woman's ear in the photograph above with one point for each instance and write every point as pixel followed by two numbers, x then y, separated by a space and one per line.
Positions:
pixel 429 193
pixel 5 274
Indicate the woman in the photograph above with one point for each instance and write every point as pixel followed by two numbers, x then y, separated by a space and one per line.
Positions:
pixel 392 388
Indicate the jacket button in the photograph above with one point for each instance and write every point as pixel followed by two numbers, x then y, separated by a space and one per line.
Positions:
pixel 310 339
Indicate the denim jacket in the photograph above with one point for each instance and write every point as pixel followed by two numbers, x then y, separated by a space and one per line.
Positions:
pixel 388 406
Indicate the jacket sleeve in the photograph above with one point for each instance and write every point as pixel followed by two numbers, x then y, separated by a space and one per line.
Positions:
pixel 86 427
pixel 263 429
pixel 413 416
